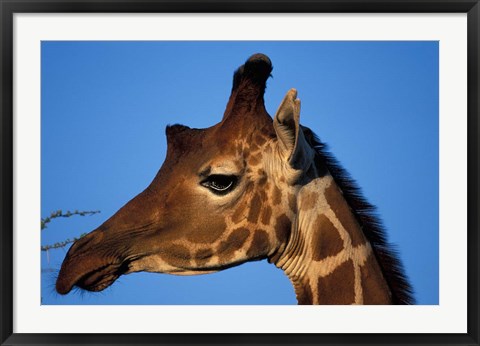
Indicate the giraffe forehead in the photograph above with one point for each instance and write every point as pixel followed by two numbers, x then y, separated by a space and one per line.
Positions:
pixel 204 150
pixel 226 148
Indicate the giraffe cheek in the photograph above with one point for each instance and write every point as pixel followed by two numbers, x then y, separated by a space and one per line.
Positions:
pixel 192 218
pixel 205 230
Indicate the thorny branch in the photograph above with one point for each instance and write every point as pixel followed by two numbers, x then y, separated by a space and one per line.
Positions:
pixel 57 214
pixel 62 243
pixel 68 213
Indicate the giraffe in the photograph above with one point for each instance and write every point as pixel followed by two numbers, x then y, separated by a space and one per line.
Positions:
pixel 248 188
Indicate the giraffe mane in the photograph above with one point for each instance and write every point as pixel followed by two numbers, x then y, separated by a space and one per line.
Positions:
pixel 366 214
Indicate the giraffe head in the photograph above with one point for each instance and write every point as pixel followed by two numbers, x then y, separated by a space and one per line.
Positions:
pixel 224 195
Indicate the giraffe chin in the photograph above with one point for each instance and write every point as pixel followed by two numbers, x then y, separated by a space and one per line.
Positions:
pixel 193 272
pixel 101 278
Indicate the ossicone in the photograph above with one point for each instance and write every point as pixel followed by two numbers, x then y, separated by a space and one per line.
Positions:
pixel 256 70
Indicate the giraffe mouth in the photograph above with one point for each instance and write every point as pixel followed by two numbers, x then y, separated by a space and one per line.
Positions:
pixel 101 278
pixel 94 280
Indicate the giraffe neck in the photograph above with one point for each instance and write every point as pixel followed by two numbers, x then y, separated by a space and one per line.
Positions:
pixel 328 259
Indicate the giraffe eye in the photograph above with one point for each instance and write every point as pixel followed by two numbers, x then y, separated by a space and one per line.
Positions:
pixel 220 184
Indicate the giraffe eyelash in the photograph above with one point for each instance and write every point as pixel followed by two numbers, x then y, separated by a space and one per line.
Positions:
pixel 220 184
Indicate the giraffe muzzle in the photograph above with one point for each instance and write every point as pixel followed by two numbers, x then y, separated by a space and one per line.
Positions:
pixel 88 267
pixel 95 279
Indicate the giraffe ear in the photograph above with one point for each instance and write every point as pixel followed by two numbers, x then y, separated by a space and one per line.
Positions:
pixel 292 143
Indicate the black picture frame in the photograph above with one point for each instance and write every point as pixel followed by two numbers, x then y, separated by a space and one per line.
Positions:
pixel 9 7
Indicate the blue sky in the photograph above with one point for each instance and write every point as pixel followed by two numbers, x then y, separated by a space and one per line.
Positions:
pixel 105 106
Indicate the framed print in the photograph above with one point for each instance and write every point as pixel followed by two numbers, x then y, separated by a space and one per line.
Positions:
pixel 302 158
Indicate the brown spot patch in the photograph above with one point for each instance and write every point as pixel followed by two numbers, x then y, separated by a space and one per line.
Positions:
pixel 260 140
pixel 176 255
pixel 375 289
pixel 326 239
pixel 239 213
pixel 267 186
pixel 276 195
pixel 254 147
pixel 283 227
pixel 309 200
pixel 305 295
pixel 260 244
pixel 263 177
pixel 338 287
pixel 202 256
pixel 268 132
pixel 249 187
pixel 234 242
pixel 255 205
pixel 254 160
pixel 246 152
pixel 292 202
pixel 208 233
pixel 263 196
pixel 266 215
pixel 344 214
